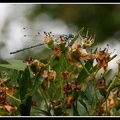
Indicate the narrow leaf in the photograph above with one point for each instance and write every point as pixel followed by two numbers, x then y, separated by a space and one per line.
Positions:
pixel 36 84
pixel 25 83
pixel 83 74
pixel 26 98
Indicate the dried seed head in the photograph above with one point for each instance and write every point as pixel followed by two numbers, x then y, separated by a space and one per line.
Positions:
pixel 65 74
pixel 35 65
pixel 69 101
pixel 87 41
pixel 49 39
pixel 49 75
pixel 100 111
pixel 103 57
pixel 56 103
pixel 101 84
pixel 59 52
pixel 67 87
pixel 61 41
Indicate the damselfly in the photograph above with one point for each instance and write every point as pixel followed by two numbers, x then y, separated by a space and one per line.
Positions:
pixel 38 36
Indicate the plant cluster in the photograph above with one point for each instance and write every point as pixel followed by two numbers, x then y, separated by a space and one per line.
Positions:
pixel 65 84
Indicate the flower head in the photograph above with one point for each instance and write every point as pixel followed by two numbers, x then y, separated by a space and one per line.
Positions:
pixel 57 52
pixel 61 41
pixel 35 65
pixel 76 52
pixel 49 39
pixel 103 57
pixel 65 74
pixel 49 74
pixel 68 102
pixel 87 41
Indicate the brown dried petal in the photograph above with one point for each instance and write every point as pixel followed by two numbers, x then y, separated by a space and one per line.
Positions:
pixel 11 90
pixel 10 109
pixel 69 101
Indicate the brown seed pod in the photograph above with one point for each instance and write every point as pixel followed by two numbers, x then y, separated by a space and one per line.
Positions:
pixel 69 101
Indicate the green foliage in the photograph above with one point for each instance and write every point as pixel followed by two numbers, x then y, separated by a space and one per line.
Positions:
pixel 66 83
pixel 14 64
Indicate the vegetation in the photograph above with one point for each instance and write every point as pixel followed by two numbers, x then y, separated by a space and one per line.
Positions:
pixel 67 83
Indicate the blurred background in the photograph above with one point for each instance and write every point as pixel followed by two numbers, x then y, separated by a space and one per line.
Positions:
pixel 104 19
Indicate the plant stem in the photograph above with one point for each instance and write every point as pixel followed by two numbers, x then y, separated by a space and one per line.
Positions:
pixel 13 97
pixel 113 81
pixel 85 69
pixel 93 78
pixel 106 107
pixel 40 92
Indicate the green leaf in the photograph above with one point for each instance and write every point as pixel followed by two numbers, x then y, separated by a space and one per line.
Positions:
pixel 53 59
pixel 77 35
pixel 42 111
pixel 83 74
pixel 25 96
pixel 36 84
pixel 25 84
pixel 89 92
pixel 84 105
pixel 14 64
pixel 113 57
pixel 25 108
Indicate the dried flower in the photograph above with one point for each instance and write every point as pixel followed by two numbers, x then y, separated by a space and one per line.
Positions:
pixel 103 57
pixel 71 88
pixel 69 101
pixel 90 56
pixel 67 87
pixel 34 65
pixel 61 41
pixel 49 76
pixel 56 103
pixel 10 108
pixel 87 41
pixel 100 111
pixel 76 87
pixel 11 90
pixel 65 74
pixel 49 39
pixel 101 84
pixel 58 52
pixel 57 107
pixel 76 52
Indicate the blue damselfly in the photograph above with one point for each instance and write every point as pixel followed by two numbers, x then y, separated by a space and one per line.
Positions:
pixel 38 36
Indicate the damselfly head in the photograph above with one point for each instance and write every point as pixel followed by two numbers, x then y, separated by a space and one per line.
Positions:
pixel 70 35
